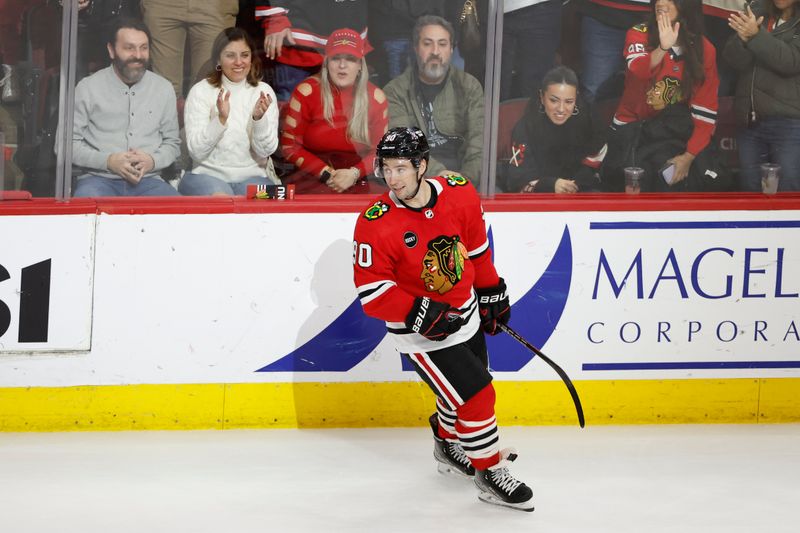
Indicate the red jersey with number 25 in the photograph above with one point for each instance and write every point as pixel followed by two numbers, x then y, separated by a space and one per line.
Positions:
pixel 440 251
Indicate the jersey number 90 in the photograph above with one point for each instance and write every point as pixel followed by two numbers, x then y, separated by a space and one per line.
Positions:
pixel 362 254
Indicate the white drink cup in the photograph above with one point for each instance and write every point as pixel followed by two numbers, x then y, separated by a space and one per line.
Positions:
pixel 770 178
pixel 633 180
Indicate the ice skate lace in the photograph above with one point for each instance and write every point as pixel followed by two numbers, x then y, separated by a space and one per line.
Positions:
pixel 457 453
pixel 504 480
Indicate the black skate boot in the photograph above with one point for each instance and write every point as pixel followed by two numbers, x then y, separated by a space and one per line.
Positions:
pixel 498 487
pixel 450 455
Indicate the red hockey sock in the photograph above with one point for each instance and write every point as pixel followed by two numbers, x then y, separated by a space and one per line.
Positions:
pixel 476 427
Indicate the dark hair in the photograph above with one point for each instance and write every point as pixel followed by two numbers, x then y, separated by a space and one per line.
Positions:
pixel 771 10
pixel 559 75
pixel 432 20
pixel 227 36
pixel 555 76
pixel 123 23
pixel 690 38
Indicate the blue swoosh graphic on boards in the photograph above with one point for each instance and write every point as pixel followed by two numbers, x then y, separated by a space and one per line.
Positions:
pixel 353 335
pixel 346 341
pixel 535 315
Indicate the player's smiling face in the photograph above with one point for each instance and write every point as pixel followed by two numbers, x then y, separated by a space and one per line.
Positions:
pixel 401 176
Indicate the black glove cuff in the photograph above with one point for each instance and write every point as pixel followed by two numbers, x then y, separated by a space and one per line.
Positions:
pixel 490 295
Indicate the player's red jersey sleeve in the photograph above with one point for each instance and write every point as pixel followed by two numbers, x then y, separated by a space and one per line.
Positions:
pixel 476 239
pixel 374 273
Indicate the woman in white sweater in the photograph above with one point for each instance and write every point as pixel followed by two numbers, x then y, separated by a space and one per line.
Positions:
pixel 231 122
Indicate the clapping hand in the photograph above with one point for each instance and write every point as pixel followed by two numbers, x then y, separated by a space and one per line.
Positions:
pixel 224 105
pixel 261 106
pixel 745 24
pixel 667 32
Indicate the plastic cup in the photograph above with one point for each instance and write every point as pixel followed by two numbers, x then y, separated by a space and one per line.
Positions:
pixel 770 178
pixel 633 180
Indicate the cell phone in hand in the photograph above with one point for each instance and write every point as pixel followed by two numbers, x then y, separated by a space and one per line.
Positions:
pixel 668 172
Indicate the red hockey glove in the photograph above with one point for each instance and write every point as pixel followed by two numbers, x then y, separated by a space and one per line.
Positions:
pixel 433 320
pixel 494 307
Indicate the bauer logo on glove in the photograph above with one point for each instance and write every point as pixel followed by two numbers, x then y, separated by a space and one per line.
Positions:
pixel 494 307
pixel 491 299
pixel 433 320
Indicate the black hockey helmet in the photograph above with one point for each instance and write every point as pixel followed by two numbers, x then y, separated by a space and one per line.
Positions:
pixel 402 143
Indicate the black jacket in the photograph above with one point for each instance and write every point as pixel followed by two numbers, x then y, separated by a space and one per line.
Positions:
pixel 769 72
pixel 544 151
pixel 650 143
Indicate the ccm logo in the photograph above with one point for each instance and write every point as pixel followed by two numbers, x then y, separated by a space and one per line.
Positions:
pixel 423 310
pixel 493 299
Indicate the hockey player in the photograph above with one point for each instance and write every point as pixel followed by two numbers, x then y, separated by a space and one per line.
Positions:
pixel 422 264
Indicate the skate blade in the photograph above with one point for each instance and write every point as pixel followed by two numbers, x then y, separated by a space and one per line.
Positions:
pixel 491 499
pixel 449 471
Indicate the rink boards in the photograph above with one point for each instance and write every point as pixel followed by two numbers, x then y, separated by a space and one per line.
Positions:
pixel 242 317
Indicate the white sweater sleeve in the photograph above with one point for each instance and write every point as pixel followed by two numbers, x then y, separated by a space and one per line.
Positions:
pixel 265 131
pixel 201 121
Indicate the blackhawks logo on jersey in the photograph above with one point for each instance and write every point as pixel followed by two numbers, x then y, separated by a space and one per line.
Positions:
pixel 455 180
pixel 664 92
pixel 443 263
pixel 376 210
pixel 641 27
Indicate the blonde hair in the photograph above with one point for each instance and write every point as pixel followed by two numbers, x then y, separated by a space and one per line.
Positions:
pixel 358 121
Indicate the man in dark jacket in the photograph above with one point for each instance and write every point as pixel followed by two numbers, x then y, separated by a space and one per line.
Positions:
pixel 444 102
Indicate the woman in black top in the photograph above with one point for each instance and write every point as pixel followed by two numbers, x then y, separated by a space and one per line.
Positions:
pixel 554 146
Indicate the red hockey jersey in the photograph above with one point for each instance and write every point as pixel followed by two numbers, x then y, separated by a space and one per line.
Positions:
pixel 667 77
pixel 440 251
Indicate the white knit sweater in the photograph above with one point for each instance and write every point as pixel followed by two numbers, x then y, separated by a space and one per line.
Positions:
pixel 241 148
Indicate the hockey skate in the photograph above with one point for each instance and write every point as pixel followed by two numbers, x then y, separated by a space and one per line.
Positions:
pixel 450 455
pixel 498 487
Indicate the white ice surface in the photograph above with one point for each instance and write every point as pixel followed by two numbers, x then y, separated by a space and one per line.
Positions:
pixel 643 479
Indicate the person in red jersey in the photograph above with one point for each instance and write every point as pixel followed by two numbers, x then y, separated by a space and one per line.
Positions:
pixel 296 33
pixel 670 51
pixel 422 263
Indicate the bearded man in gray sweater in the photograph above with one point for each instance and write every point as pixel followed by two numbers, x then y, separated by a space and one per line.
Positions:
pixel 126 122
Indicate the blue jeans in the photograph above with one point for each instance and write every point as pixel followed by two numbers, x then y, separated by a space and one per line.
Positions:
pixel 92 186
pixel 398 56
pixel 601 51
pixel 531 36
pixel 205 185
pixel 287 77
pixel 770 140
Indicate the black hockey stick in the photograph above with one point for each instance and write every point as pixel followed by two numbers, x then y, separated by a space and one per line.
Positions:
pixel 560 371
